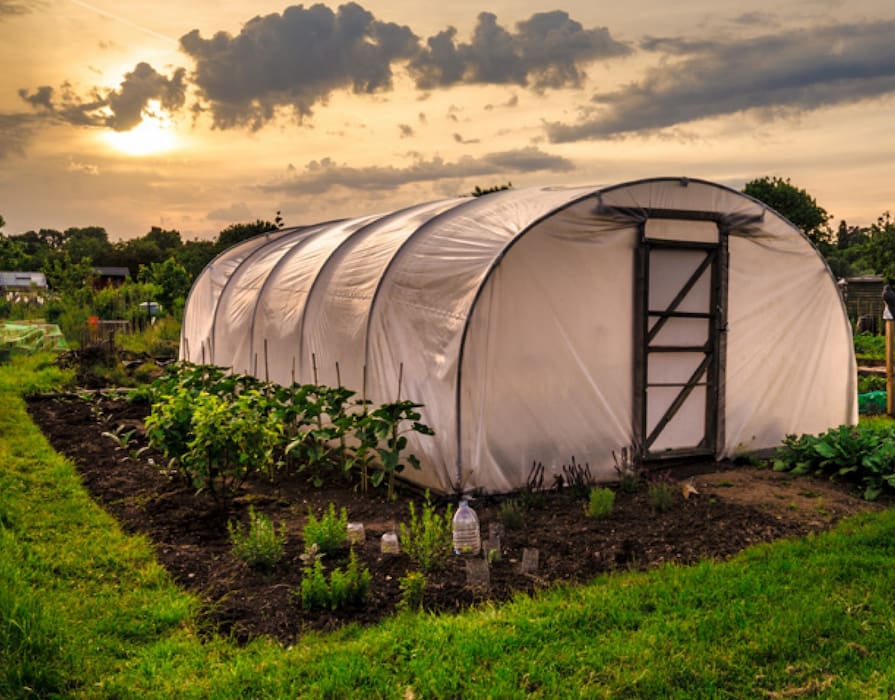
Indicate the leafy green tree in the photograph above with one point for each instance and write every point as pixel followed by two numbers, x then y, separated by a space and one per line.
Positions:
pixel 173 282
pixel 478 191
pixel 167 241
pixel 90 243
pixel 13 254
pixel 235 233
pixel 195 255
pixel 879 251
pixel 67 277
pixel 795 204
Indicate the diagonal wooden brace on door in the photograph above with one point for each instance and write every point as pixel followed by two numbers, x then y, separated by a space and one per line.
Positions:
pixel 687 389
pixel 681 295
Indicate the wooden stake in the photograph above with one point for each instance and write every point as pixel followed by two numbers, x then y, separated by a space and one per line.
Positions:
pixel 338 376
pixel 266 365
pixel 400 379
pixel 890 367
pixel 314 367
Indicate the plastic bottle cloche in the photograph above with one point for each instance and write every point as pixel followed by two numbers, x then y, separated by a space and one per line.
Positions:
pixel 467 537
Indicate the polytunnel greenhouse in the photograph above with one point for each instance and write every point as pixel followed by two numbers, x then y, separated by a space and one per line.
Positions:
pixel 673 316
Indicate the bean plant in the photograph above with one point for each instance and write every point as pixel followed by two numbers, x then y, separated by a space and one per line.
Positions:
pixel 216 429
pixel 231 439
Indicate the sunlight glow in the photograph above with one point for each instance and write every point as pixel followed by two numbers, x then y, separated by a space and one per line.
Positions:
pixel 152 136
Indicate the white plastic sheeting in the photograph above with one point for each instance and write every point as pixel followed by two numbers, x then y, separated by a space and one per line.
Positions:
pixel 513 317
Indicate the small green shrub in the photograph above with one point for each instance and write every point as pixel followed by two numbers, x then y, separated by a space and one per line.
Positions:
pixel 343 589
pixel 329 533
pixel 600 503
pixel 413 589
pixel 349 588
pixel 427 539
pixel 864 453
pixel 661 495
pixel 871 347
pixel 314 589
pixel 230 440
pixel 871 382
pixel 512 514
pixel 260 544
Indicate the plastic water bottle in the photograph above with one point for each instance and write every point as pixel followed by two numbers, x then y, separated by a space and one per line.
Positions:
pixel 467 538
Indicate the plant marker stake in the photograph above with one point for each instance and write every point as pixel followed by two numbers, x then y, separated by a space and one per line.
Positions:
pixel 364 390
pixel 203 352
pixel 293 370
pixel 266 366
pixel 338 376
pixel 400 380
pixel 314 367
pixel 890 368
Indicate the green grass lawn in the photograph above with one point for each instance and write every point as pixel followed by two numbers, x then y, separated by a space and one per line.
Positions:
pixel 86 612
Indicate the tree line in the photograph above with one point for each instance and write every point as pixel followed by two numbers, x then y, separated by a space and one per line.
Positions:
pixel 850 251
pixel 163 258
pixel 161 269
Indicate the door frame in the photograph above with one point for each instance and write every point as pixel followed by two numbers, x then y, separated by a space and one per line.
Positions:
pixel 715 349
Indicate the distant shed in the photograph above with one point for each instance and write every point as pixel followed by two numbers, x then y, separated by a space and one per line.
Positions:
pixel 110 276
pixel 23 286
pixel 864 300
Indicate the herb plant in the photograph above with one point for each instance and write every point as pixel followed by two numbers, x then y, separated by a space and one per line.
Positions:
pixel 427 538
pixel 260 544
pixel 512 514
pixel 413 590
pixel 600 503
pixel 329 533
pixel 661 492
pixel 342 589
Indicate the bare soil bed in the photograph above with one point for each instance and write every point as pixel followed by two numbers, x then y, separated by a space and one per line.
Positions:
pixel 735 507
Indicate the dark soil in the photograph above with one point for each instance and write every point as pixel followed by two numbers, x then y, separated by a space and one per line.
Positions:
pixel 735 507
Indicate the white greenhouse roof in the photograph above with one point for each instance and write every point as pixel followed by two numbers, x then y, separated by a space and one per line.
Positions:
pixel 513 318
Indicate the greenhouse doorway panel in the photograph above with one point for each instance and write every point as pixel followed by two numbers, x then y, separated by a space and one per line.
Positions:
pixel 679 342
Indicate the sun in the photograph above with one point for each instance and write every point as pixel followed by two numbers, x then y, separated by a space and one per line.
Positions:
pixel 152 136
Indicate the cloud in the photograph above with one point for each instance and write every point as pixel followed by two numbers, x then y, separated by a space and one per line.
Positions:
pixel 15 132
pixel 294 61
pixel 13 8
pixel 510 103
pixel 321 176
pixel 120 109
pixel 237 211
pixel 754 18
pixel 82 168
pixel 406 130
pixel 676 45
pixel 547 50
pixel 459 139
pixel 291 63
pixel 786 73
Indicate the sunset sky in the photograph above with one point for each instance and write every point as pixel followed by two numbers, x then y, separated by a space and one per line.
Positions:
pixel 195 115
